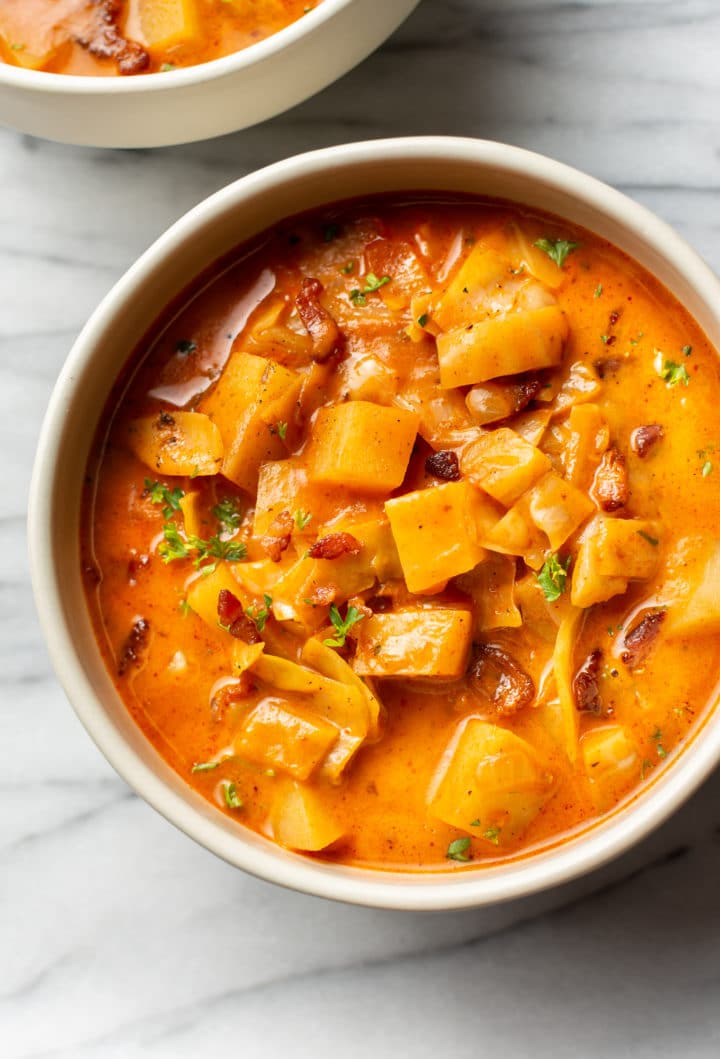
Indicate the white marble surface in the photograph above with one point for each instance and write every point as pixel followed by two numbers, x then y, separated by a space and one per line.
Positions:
pixel 120 938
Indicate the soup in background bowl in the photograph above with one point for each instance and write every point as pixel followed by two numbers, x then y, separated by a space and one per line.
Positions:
pixel 387 593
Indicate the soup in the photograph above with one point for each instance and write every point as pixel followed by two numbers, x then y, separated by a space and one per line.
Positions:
pixel 400 536
pixel 110 37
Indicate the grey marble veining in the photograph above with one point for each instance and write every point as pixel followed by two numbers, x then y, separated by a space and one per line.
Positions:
pixel 119 937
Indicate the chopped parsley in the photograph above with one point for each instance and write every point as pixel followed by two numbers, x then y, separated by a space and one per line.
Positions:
pixel 301 518
pixel 707 468
pixel 231 796
pixel 422 320
pixel 342 626
pixel 204 766
pixel 660 749
pixel 670 371
pixel 556 250
pixel 598 290
pixel 280 429
pixel 645 768
pixel 160 494
pixel 166 67
pixel 174 546
pixel 553 577
pixel 372 284
pixel 228 514
pixel 259 614
pixel 492 834
pixel 184 607
pixel 348 267
pixel 475 823
pixel 185 346
pixel 646 537
pixel 687 350
pixel 459 849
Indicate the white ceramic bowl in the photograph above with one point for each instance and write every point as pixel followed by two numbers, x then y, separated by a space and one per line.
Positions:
pixel 210 99
pixel 206 233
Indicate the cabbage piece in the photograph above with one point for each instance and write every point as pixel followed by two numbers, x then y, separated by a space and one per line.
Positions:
pixel 286 736
pixel 694 591
pixel 612 764
pixel 417 642
pixel 503 464
pixel 300 820
pixel 491 586
pixel 181 443
pixel 566 721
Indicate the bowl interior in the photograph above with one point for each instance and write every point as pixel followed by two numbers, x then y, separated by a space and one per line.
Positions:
pixel 207 233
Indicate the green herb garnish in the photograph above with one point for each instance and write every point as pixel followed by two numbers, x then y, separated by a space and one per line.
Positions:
pixel 160 494
pixel 348 267
pixel 422 320
pixel 205 766
pixel 228 514
pixel 556 250
pixel 301 518
pixel 231 796
pixel 259 614
pixel 185 346
pixel 174 546
pixel 459 849
pixel 646 537
pixel 342 626
pixel 687 350
pixel 553 577
pixel 372 284
pixel 707 468
pixel 598 290
pixel 670 371
pixel 492 834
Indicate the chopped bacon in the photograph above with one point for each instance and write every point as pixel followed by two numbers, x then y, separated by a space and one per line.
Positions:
pixel 136 563
pixel 526 390
pixel 326 336
pixel 498 679
pixel 134 646
pixel 642 439
pixel 611 482
pixel 234 619
pixel 640 638
pixel 607 366
pixel 443 465
pixel 278 536
pixel 585 685
pixel 334 546
pixel 100 35
pixel 323 595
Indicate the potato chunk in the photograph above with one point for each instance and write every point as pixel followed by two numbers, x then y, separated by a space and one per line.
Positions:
pixel 182 443
pixel 437 532
pixel 502 345
pixel 611 762
pixel 340 703
pixel 363 446
pixel 284 736
pixel 503 464
pixel 612 552
pixel 467 296
pixel 695 590
pixel 492 776
pixel 167 23
pixel 421 642
pixel 300 820
pixel 250 400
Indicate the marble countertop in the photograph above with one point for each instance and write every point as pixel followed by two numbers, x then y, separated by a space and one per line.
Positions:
pixel 118 936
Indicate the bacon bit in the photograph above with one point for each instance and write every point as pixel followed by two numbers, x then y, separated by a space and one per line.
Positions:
pixel 334 546
pixel 134 646
pixel 526 391
pixel 326 336
pixel 641 637
pixel 136 563
pixel 585 685
pixel 610 485
pixel 642 439
pixel 497 678
pixel 360 605
pixel 232 617
pixel 607 366
pixel 443 465
pixel 614 317
pixel 231 695
pixel 101 37
pixel 279 534
pixel 323 595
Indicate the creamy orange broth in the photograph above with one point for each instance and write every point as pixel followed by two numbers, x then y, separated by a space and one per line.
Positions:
pixel 629 356
pixel 110 37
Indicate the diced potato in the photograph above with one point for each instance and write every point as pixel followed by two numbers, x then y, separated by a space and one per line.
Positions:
pixel 532 425
pixel 195 519
pixel 342 704
pixel 588 437
pixel 437 532
pixel 532 258
pixel 612 763
pixel 502 345
pixel 466 297
pixel 491 586
pixel 515 534
pixel 557 508
pixel 422 642
pixel 202 595
pixel 695 591
pixel 503 464
pixel 567 721
pixel 362 446
pixel 252 396
pixel 284 736
pixel 244 656
pixel 490 775
pixel 167 23
pixel 300 820
pixel 184 443
pixel 612 552
pixel 328 662
pixel 279 483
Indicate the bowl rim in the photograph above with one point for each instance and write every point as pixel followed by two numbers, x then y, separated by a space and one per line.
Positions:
pixel 42 81
pixel 604 839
